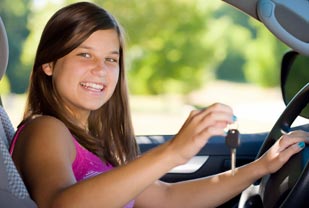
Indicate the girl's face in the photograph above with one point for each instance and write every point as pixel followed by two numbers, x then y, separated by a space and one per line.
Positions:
pixel 86 77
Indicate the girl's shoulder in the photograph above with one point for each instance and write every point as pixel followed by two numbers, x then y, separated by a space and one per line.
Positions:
pixel 42 120
pixel 43 153
pixel 44 134
pixel 44 126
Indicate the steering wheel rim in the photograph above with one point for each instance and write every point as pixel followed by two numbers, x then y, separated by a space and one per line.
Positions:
pixel 289 186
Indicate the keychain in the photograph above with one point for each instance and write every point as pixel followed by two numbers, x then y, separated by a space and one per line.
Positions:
pixel 232 140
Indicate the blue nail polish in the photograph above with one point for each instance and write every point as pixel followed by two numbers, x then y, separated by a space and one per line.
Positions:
pixel 234 118
pixel 301 144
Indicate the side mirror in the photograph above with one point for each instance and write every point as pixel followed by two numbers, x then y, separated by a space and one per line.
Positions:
pixel 294 76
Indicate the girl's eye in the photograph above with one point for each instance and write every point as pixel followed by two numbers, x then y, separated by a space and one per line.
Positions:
pixel 112 60
pixel 85 55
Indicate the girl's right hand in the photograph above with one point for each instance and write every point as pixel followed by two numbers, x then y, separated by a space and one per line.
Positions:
pixel 199 127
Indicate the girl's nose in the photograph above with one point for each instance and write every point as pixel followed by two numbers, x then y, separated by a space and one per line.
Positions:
pixel 100 68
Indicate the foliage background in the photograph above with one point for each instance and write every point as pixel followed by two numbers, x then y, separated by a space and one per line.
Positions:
pixel 173 46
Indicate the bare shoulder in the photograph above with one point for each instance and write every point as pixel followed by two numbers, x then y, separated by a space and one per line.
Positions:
pixel 44 131
pixel 43 154
pixel 44 124
pixel 44 136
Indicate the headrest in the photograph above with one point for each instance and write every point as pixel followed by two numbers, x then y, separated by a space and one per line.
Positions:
pixel 4 49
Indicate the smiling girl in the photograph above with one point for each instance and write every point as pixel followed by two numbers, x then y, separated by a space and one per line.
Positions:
pixel 76 146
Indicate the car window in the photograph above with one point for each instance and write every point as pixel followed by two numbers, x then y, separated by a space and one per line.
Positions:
pixel 206 52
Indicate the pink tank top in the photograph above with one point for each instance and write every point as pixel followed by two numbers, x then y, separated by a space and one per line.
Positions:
pixel 85 165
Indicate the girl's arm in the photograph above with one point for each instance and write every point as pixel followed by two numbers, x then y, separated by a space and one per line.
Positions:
pixel 215 190
pixel 45 151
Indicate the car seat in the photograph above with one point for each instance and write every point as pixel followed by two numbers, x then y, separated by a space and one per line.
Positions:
pixel 13 192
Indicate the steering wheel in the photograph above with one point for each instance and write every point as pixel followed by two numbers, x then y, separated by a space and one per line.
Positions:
pixel 289 186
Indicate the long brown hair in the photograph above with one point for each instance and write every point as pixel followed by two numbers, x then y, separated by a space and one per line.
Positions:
pixel 111 134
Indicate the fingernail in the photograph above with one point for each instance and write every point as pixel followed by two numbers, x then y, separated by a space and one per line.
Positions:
pixel 301 144
pixel 234 118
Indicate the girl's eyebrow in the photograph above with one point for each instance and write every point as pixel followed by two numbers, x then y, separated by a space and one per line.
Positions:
pixel 115 52
pixel 84 46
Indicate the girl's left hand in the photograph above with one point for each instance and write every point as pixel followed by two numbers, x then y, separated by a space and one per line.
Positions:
pixel 285 147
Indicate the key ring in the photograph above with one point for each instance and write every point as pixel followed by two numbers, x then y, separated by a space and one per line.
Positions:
pixel 233 125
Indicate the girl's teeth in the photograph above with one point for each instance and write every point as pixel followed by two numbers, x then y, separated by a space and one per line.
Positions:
pixel 92 85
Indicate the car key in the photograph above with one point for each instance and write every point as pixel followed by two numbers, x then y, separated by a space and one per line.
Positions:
pixel 232 140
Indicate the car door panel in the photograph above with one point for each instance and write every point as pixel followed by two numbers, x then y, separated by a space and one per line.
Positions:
pixel 213 158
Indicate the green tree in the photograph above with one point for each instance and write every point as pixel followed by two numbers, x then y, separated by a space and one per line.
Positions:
pixel 236 34
pixel 40 12
pixel 253 52
pixel 14 14
pixel 263 58
pixel 170 48
pixel 178 45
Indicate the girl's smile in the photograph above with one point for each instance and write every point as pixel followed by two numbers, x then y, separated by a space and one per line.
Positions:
pixel 95 87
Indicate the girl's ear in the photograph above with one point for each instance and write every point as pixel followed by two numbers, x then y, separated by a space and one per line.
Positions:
pixel 48 69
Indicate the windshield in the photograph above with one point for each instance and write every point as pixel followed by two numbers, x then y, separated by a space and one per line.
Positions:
pixel 205 52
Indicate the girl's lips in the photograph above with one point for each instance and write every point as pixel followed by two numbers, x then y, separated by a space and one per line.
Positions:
pixel 92 86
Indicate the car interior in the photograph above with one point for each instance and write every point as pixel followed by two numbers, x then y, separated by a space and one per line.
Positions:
pixel 13 192
pixel 289 22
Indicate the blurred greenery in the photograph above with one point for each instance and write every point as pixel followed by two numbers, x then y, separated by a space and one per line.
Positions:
pixel 14 14
pixel 173 46
pixel 5 86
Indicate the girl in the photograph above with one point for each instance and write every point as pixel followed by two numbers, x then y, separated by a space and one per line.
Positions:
pixel 75 146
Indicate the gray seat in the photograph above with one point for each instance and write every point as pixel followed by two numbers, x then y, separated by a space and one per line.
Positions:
pixel 13 192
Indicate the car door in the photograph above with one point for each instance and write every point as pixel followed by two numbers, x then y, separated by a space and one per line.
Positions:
pixel 214 157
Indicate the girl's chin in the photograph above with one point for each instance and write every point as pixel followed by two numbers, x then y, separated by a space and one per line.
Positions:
pixel 94 107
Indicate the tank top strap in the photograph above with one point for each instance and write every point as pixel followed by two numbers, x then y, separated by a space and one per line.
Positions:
pixel 12 146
